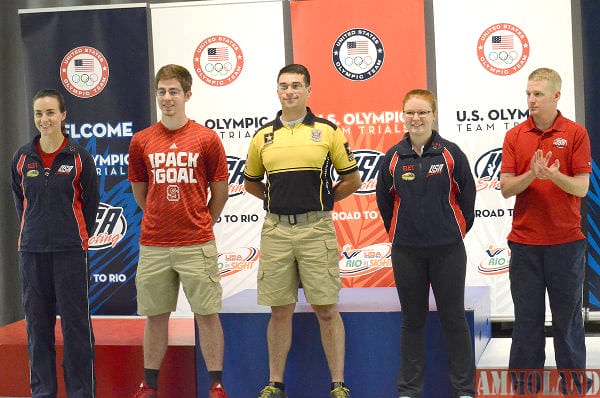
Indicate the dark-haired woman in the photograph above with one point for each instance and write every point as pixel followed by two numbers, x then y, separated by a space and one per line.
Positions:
pixel 55 189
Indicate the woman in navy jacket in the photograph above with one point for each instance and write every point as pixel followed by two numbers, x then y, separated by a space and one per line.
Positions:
pixel 55 190
pixel 426 197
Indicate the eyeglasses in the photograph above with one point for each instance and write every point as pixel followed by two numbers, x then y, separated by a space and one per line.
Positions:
pixel 294 86
pixel 411 114
pixel 173 92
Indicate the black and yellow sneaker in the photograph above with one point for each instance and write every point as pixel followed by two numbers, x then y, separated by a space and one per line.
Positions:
pixel 339 390
pixel 272 392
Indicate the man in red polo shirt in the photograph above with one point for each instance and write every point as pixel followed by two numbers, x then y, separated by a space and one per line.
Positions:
pixel 546 163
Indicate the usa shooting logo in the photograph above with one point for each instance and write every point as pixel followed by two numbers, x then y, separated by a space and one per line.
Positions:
pixel 503 49
pixel 84 72
pixel 368 162
pixel 218 61
pixel 236 175
pixel 110 228
pixel 358 54
pixel 487 170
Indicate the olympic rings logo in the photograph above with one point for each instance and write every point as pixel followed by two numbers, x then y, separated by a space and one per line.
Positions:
pixel 218 69
pixel 503 57
pixel 84 79
pixel 358 54
pixel 218 60
pixel 358 63
pixel 84 72
pixel 503 49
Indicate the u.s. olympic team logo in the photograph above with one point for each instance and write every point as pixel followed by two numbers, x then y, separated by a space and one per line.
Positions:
pixel 218 60
pixel 503 49
pixel 84 72
pixel 358 54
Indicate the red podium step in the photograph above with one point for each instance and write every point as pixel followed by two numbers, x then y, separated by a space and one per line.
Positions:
pixel 119 358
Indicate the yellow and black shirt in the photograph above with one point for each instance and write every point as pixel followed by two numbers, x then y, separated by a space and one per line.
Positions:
pixel 297 161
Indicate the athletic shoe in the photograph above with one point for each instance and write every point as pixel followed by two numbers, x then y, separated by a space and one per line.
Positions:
pixel 146 392
pixel 272 392
pixel 217 391
pixel 340 392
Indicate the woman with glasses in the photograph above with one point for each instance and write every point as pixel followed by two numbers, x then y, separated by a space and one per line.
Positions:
pixel 426 197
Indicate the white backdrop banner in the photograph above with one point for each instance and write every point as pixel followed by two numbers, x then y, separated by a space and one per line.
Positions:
pixel 234 51
pixel 482 65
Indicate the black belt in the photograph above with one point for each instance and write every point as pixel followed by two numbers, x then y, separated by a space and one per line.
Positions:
pixel 294 219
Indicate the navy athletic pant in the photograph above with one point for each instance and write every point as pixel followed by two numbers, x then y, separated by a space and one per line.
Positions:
pixel 559 269
pixel 56 283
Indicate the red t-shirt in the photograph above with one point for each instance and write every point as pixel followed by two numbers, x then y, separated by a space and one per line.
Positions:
pixel 544 214
pixel 177 165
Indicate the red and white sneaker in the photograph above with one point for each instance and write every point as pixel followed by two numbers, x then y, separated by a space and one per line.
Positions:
pixel 146 392
pixel 217 391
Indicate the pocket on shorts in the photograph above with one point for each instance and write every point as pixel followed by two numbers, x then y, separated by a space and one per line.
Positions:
pixel 214 277
pixel 268 284
pixel 209 251
pixel 332 250
pixel 268 225
pixel 334 272
pixel 212 266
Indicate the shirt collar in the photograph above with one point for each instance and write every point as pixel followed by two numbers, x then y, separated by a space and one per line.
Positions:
pixel 309 119
pixel 560 124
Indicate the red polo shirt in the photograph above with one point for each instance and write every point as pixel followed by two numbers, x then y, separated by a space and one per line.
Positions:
pixel 544 214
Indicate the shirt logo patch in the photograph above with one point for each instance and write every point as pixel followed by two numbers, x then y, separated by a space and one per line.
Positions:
pixel 173 193
pixel 33 165
pixel 269 138
pixel 32 173
pixel 408 176
pixel 315 135
pixel 560 143
pixel 435 169
pixel 64 169
pixel 349 151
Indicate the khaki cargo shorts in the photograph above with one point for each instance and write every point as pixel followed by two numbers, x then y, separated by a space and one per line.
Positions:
pixel 298 248
pixel 161 269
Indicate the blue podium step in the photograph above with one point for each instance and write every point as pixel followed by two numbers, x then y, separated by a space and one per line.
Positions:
pixel 372 318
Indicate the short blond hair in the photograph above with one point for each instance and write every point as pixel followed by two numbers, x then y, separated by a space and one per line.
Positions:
pixel 546 74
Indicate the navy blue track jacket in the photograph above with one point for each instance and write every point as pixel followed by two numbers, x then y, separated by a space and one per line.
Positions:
pixel 426 200
pixel 57 207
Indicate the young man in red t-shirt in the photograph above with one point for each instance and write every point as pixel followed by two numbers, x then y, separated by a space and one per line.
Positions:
pixel 172 165
pixel 546 163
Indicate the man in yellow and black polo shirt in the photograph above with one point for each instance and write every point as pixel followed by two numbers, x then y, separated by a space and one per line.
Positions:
pixel 298 240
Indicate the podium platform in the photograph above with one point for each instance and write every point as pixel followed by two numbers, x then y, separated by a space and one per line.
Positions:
pixel 119 358
pixel 372 319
